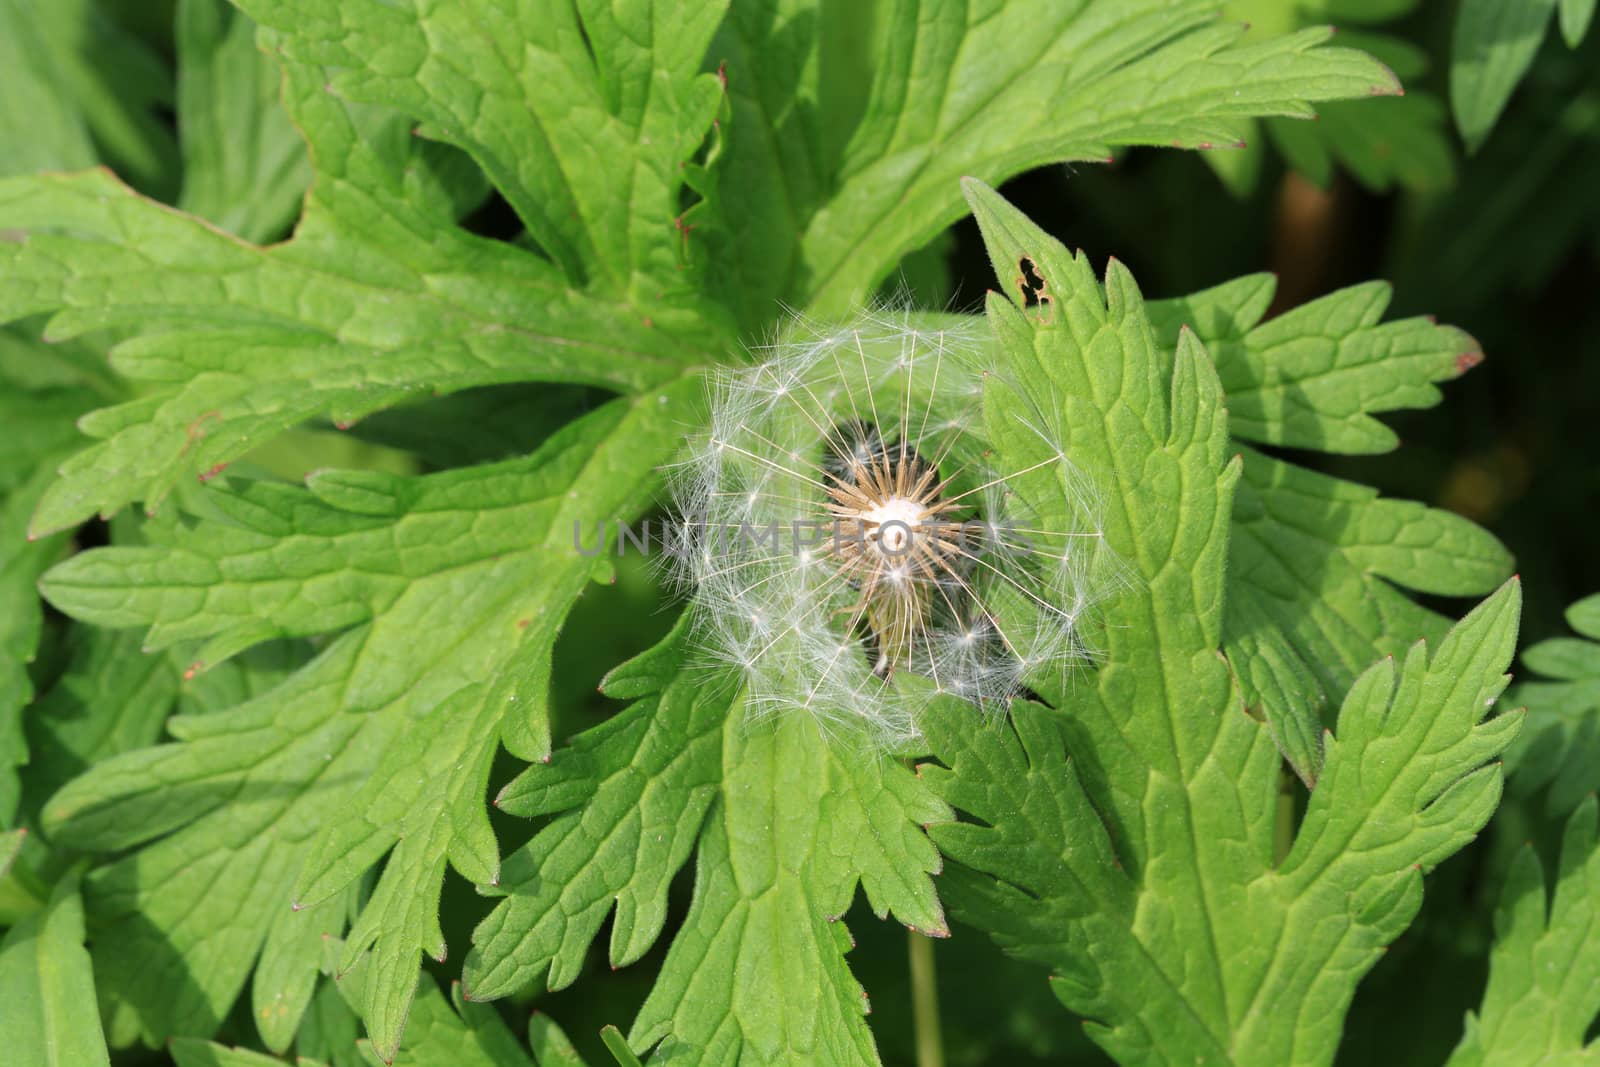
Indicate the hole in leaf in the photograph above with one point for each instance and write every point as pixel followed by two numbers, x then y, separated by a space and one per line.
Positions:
pixel 1032 283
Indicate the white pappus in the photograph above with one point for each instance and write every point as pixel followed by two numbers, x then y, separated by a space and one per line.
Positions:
pixel 851 545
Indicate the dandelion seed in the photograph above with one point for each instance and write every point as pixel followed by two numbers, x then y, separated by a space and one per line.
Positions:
pixel 922 558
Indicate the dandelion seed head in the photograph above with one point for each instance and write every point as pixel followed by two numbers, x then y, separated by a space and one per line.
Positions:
pixel 852 530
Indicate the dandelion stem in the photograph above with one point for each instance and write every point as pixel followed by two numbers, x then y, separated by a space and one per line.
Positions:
pixel 925 1001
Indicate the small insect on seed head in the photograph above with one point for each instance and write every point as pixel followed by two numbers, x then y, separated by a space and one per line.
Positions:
pixel 849 526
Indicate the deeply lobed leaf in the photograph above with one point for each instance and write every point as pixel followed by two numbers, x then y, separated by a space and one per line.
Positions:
pixel 1558 750
pixel 1144 871
pixel 785 826
pixel 46 980
pixel 1544 982
pixel 317 778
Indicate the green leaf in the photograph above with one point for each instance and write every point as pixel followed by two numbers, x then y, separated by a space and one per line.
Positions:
pixel 1142 870
pixel 1277 684
pixel 172 952
pixel 584 128
pixel 244 166
pixel 50 1018
pixel 42 128
pixel 1314 376
pixel 287 970
pixel 77 84
pixel 383 741
pixel 1321 558
pixel 1559 749
pixel 1399 140
pixel 869 152
pixel 111 698
pixel 1544 977
pixel 1141 73
pixel 378 297
pixel 629 798
pixel 1495 42
pixel 757 973
pixel 1314 560
pixel 617 1045
pixel 40 377
pixel 42 392
pixel 551 1047
pixel 192 1052
pixel 793 824
pixel 1576 15
pixel 39 426
pixel 21 620
pixel 10 847
pixel 453 1032
pixel 331 1030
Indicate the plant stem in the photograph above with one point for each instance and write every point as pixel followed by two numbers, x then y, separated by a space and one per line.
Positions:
pixel 925 1002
